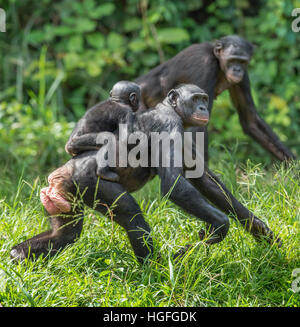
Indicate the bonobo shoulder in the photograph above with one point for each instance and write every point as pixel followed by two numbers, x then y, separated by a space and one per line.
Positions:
pixel 158 119
pixel 100 106
pixel 190 59
pixel 196 49
pixel 106 107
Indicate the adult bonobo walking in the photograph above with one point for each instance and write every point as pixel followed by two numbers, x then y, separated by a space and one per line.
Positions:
pixel 215 67
pixel 184 106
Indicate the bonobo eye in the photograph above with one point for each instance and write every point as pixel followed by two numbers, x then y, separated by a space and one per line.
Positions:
pixel 200 97
pixel 241 62
pixel 205 98
pixel 196 98
pixel 238 61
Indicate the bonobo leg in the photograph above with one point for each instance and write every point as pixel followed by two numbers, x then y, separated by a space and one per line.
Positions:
pixel 214 190
pixel 185 195
pixel 101 195
pixel 125 211
pixel 66 224
pixel 65 230
pixel 78 178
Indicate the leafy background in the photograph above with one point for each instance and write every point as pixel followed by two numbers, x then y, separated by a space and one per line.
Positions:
pixel 60 57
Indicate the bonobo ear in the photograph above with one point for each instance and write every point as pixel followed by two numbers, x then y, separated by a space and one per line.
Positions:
pixel 110 93
pixel 172 97
pixel 218 46
pixel 133 99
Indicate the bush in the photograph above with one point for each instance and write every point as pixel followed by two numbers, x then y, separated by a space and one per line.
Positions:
pixel 61 57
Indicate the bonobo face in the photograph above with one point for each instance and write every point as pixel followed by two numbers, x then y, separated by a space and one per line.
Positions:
pixel 233 66
pixel 191 103
pixel 126 92
pixel 234 54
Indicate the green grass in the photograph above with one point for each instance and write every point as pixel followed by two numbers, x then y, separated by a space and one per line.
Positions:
pixel 100 269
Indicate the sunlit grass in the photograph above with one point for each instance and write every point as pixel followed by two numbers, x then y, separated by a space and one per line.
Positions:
pixel 100 269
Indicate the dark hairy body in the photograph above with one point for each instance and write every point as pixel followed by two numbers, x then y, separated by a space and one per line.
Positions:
pixel 77 182
pixel 105 116
pixel 215 67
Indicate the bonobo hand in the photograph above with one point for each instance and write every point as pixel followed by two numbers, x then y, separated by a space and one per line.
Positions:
pixel 103 170
pixel 107 174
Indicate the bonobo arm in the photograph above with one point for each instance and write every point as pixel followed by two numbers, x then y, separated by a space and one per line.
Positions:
pixel 86 142
pixel 253 124
pixel 98 119
pixel 80 140
pixel 215 191
pixel 182 193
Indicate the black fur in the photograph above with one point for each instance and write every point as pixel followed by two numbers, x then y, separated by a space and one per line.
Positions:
pixel 199 65
pixel 105 117
pixel 78 179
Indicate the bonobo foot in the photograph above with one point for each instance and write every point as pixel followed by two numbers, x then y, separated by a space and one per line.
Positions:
pixel 17 254
pixel 65 230
pixel 107 174
pixel 261 231
pixel 180 253
pixel 209 237
pixel 33 247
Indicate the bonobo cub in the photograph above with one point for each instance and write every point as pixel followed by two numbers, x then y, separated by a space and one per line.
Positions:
pixel 105 117
pixel 77 180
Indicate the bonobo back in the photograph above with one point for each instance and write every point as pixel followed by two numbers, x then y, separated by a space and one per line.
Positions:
pixel 104 117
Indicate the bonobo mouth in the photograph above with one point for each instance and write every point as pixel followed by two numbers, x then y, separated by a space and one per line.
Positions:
pixel 232 78
pixel 200 120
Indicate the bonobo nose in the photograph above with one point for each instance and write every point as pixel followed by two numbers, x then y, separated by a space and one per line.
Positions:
pixel 237 69
pixel 202 108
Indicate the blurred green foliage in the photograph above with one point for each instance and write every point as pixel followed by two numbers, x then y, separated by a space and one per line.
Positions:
pixel 60 57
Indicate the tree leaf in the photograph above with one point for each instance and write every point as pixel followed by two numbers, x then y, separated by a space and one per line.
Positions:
pixel 103 10
pixel 115 41
pixel 96 40
pixel 75 43
pixel 172 35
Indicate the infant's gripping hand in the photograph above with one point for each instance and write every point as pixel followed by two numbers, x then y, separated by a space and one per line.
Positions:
pixel 107 174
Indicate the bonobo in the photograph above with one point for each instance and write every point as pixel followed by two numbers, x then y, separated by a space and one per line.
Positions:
pixel 105 116
pixel 215 67
pixel 77 179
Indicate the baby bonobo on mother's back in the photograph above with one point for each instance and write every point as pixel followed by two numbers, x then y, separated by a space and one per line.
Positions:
pixel 105 117
pixel 76 181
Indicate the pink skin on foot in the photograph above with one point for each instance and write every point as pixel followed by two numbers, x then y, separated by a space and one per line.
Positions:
pixel 53 202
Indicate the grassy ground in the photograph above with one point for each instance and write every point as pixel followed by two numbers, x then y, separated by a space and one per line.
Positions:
pixel 100 270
